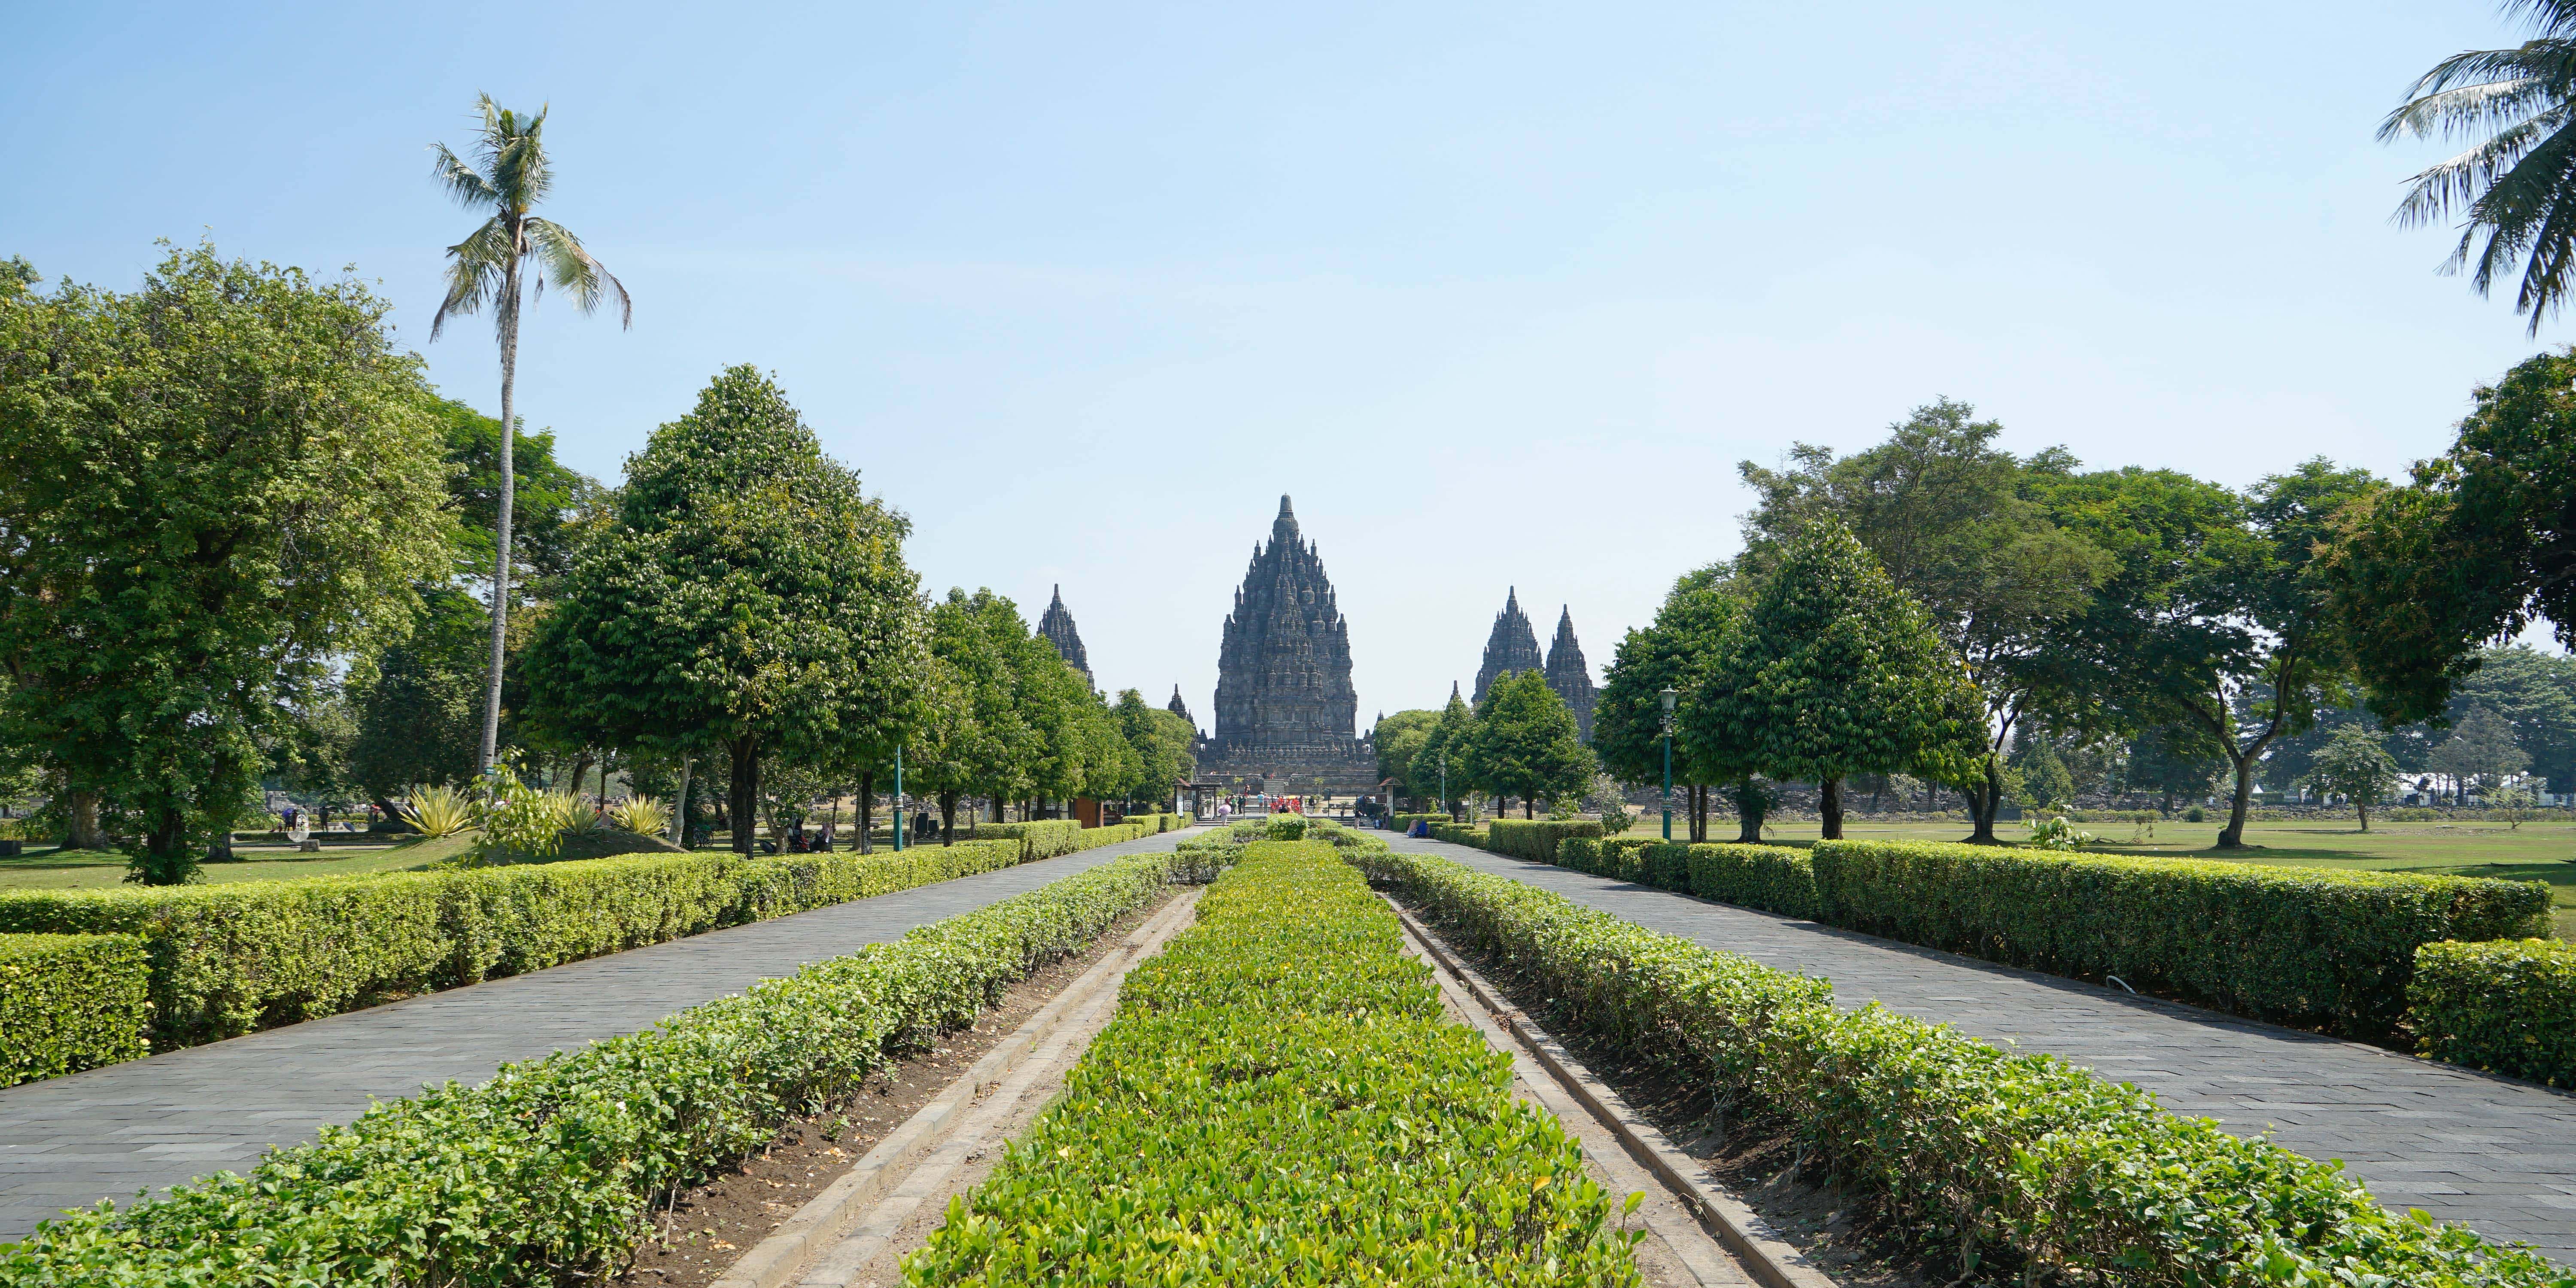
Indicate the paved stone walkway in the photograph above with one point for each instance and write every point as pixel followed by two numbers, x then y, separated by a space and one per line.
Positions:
pixel 155 1122
pixel 2492 1153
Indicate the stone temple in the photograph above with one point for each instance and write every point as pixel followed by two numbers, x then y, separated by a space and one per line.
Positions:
pixel 1513 648
pixel 1285 710
pixel 1057 626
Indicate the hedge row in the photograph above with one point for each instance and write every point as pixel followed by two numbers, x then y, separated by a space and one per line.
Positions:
pixel 1049 837
pixel 233 959
pixel 549 1172
pixel 1535 839
pixel 2506 1005
pixel 1281 1101
pixel 1989 1155
pixel 2307 946
pixel 1459 833
pixel 70 1002
pixel 1157 824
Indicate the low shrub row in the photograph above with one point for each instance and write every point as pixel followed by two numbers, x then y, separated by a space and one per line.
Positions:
pixel 1281 1101
pixel 2003 1159
pixel 70 1002
pixel 1459 833
pixel 1046 838
pixel 549 1172
pixel 1157 824
pixel 2314 947
pixel 1536 839
pixel 232 959
pixel 2506 1005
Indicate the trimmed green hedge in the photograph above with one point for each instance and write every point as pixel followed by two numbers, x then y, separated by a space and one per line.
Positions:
pixel 1157 824
pixel 70 1002
pixel 1986 1154
pixel 1405 822
pixel 2316 947
pixel 1459 833
pixel 2507 1005
pixel 549 1173
pixel 1536 839
pixel 232 959
pixel 1048 837
pixel 1280 1100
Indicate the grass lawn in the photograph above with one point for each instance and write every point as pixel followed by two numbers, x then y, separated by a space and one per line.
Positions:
pixel 86 869
pixel 2535 852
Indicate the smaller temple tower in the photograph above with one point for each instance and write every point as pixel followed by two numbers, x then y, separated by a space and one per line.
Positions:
pixel 1511 649
pixel 1180 708
pixel 1057 626
pixel 1570 675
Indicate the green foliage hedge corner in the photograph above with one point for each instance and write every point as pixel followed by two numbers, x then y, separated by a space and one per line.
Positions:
pixel 2309 946
pixel 70 1002
pixel 2506 1005
pixel 1048 837
pixel 1458 833
pixel 549 1172
pixel 1280 1100
pixel 2013 1158
pixel 1535 839
pixel 233 959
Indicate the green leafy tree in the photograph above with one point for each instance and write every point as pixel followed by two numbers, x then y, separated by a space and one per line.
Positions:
pixel 2533 691
pixel 418 709
pixel 2480 752
pixel 2175 760
pixel 2045 781
pixel 1961 526
pixel 2511 187
pixel 2473 550
pixel 552 504
pixel 1525 743
pixel 991 749
pixel 509 175
pixel 1835 672
pixel 213 487
pixel 1446 743
pixel 2289 658
pixel 2355 765
pixel 1161 745
pixel 750 598
pixel 310 757
pixel 1399 739
pixel 1680 650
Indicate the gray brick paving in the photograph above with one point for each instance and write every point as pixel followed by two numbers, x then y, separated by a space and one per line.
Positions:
pixel 155 1122
pixel 2492 1153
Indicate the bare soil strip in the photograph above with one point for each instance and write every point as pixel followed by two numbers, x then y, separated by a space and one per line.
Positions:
pixel 858 1227
pixel 711 1226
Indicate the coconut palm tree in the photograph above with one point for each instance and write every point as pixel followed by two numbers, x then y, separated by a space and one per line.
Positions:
pixel 508 176
pixel 2517 185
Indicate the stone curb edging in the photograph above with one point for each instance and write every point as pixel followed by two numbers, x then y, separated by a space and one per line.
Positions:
pixel 1773 1260
pixel 789 1250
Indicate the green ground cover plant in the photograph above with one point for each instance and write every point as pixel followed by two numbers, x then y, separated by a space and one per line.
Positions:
pixel 2001 1159
pixel 1280 1100
pixel 70 1002
pixel 2308 946
pixel 233 959
pixel 550 1172
pixel 2507 1005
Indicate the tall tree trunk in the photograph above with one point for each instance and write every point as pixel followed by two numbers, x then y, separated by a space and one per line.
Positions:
pixel 867 811
pixel 509 322
pixel 1829 808
pixel 948 818
pixel 85 833
pixel 1748 814
pixel 1985 801
pixel 745 792
pixel 2358 807
pixel 1528 807
pixel 165 859
pixel 680 810
pixel 2232 837
pixel 580 771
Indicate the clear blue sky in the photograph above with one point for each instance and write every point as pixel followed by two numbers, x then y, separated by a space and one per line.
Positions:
pixel 1501 293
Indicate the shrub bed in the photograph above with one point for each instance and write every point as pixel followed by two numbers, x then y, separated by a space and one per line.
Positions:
pixel 232 959
pixel 2309 946
pixel 1048 837
pixel 1459 834
pixel 2003 1158
pixel 2506 1005
pixel 1535 839
pixel 70 1002
pixel 549 1172
pixel 1281 1101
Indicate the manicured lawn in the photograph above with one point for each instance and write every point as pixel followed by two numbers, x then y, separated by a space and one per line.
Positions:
pixel 82 869
pixel 2535 852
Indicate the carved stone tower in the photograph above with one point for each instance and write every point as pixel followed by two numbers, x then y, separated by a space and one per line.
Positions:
pixel 1057 626
pixel 1569 675
pixel 1180 708
pixel 1512 649
pixel 1284 704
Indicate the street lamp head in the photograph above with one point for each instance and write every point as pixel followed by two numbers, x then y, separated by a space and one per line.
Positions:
pixel 1670 696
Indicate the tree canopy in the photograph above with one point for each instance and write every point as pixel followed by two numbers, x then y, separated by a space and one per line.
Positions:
pixel 1524 743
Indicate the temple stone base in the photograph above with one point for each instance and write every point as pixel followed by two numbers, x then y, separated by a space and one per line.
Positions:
pixel 1293 774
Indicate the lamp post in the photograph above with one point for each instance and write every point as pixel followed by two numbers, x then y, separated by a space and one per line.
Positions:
pixel 1668 695
pixel 898 799
pixel 1444 781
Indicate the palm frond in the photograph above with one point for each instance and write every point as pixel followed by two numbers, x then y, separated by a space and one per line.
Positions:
pixel 2467 108
pixel 571 268
pixel 2459 180
pixel 477 269
pixel 2554 17
pixel 461 180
